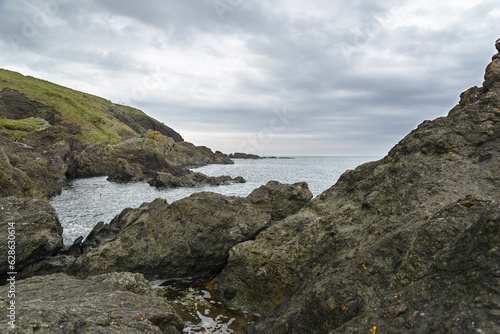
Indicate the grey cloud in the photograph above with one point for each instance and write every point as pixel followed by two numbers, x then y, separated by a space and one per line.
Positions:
pixel 347 75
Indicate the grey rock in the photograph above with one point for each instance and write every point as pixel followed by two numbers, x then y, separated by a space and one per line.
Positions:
pixel 13 181
pixel 190 237
pixel 168 180
pixel 239 155
pixel 37 231
pixel 110 303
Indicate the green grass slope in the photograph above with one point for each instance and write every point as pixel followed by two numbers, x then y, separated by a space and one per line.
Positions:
pixel 92 118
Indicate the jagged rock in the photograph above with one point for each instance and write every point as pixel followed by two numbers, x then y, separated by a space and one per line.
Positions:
pixel 190 237
pixel 167 180
pixel 38 233
pixel 396 245
pixel 110 303
pixel 492 74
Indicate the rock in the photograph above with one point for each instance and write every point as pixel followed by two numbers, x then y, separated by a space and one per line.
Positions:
pixel 190 237
pixel 15 105
pixel 13 181
pixel 110 303
pixel 38 233
pixel 283 201
pixel 408 243
pixel 140 159
pixel 40 161
pixel 167 180
pixel 239 155
pixel 126 172
pixel 492 74
pixel 140 123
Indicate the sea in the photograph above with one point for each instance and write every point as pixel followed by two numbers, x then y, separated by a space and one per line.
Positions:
pixel 85 202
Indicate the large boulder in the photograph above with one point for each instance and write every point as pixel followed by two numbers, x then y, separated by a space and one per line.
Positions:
pixel 34 228
pixel 408 243
pixel 110 303
pixel 190 237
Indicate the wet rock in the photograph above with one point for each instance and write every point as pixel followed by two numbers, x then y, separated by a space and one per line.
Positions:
pixel 37 231
pixel 110 303
pixel 190 237
pixel 407 243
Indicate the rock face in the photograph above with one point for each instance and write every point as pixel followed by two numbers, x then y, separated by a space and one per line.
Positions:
pixel 409 243
pixel 190 237
pixel 110 303
pixel 37 231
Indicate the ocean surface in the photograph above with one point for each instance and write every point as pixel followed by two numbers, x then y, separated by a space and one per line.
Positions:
pixel 85 202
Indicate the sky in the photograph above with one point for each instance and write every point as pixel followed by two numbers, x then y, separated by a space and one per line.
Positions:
pixel 270 77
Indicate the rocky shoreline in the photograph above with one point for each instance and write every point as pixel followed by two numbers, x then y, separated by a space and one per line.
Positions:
pixel 406 244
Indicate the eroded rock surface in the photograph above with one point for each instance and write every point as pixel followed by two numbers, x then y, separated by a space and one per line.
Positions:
pixel 36 228
pixel 109 303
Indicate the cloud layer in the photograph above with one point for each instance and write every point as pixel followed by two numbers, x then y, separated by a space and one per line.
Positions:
pixel 294 77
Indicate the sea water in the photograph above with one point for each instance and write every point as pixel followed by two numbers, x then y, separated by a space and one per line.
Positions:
pixel 85 202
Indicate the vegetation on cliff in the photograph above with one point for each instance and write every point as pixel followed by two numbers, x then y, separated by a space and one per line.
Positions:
pixel 92 118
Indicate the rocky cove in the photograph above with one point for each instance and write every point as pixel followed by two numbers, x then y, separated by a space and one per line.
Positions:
pixel 406 244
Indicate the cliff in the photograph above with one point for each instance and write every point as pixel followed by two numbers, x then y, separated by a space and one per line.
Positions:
pixel 49 133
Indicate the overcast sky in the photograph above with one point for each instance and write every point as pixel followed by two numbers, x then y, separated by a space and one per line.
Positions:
pixel 291 77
